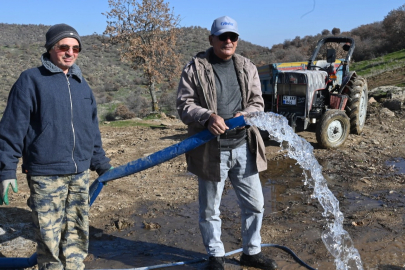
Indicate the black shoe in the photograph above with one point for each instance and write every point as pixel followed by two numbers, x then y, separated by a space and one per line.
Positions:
pixel 215 263
pixel 258 261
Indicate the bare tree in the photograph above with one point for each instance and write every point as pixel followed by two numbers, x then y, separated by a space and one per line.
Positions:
pixel 146 31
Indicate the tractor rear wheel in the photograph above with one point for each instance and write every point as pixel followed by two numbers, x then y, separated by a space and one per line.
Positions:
pixel 333 128
pixel 356 107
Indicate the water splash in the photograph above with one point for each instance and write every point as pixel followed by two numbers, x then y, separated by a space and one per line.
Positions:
pixel 335 238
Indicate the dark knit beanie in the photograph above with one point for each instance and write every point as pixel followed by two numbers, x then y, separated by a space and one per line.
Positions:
pixel 58 32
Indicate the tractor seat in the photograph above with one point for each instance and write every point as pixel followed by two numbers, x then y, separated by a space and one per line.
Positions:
pixel 322 64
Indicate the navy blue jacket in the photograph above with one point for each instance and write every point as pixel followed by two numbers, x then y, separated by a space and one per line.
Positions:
pixel 51 122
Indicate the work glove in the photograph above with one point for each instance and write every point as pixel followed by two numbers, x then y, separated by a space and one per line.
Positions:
pixel 4 185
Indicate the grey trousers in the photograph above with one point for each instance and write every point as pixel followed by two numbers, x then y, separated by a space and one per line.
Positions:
pixel 240 166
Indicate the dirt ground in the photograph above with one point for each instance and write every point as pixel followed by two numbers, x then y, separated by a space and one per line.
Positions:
pixel 151 217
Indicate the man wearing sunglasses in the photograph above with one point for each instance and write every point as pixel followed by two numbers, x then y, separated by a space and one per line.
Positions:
pixel 51 122
pixel 217 85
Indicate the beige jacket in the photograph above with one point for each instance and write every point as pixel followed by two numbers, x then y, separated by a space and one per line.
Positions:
pixel 196 101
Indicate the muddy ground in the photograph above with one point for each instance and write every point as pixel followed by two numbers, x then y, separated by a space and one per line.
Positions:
pixel 150 218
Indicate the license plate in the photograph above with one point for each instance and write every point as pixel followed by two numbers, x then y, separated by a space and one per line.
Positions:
pixel 290 100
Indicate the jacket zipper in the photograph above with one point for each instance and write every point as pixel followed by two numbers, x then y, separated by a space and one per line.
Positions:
pixel 71 123
pixel 205 98
pixel 199 80
pixel 214 103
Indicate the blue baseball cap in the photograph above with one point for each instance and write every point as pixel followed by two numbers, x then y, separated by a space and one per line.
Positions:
pixel 224 24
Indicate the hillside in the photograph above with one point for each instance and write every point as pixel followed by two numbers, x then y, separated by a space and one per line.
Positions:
pixel 112 80
pixel 384 70
pixel 378 56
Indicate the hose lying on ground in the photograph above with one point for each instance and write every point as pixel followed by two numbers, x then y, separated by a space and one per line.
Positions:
pixel 289 251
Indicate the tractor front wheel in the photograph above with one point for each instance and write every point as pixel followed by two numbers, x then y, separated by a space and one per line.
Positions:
pixel 333 128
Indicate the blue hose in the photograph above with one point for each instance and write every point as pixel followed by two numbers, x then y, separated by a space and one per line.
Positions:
pixel 131 168
pixel 13 263
pixel 159 157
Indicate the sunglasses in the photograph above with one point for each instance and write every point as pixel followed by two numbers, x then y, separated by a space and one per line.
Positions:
pixel 66 48
pixel 232 36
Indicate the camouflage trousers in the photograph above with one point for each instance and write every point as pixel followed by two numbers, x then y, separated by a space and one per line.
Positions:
pixel 60 207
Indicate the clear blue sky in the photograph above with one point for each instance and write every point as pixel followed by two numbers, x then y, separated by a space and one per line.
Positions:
pixel 262 22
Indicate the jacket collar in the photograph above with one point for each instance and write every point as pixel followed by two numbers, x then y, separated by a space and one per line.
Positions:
pixel 51 67
pixel 203 58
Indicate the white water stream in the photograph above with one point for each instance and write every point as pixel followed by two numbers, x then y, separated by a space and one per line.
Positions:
pixel 335 238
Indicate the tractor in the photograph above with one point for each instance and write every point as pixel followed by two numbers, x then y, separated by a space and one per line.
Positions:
pixel 321 91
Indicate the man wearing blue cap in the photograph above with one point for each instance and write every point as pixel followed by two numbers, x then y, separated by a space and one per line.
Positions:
pixel 51 122
pixel 217 85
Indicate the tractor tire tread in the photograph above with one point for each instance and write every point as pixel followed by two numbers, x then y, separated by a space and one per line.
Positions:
pixel 355 92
